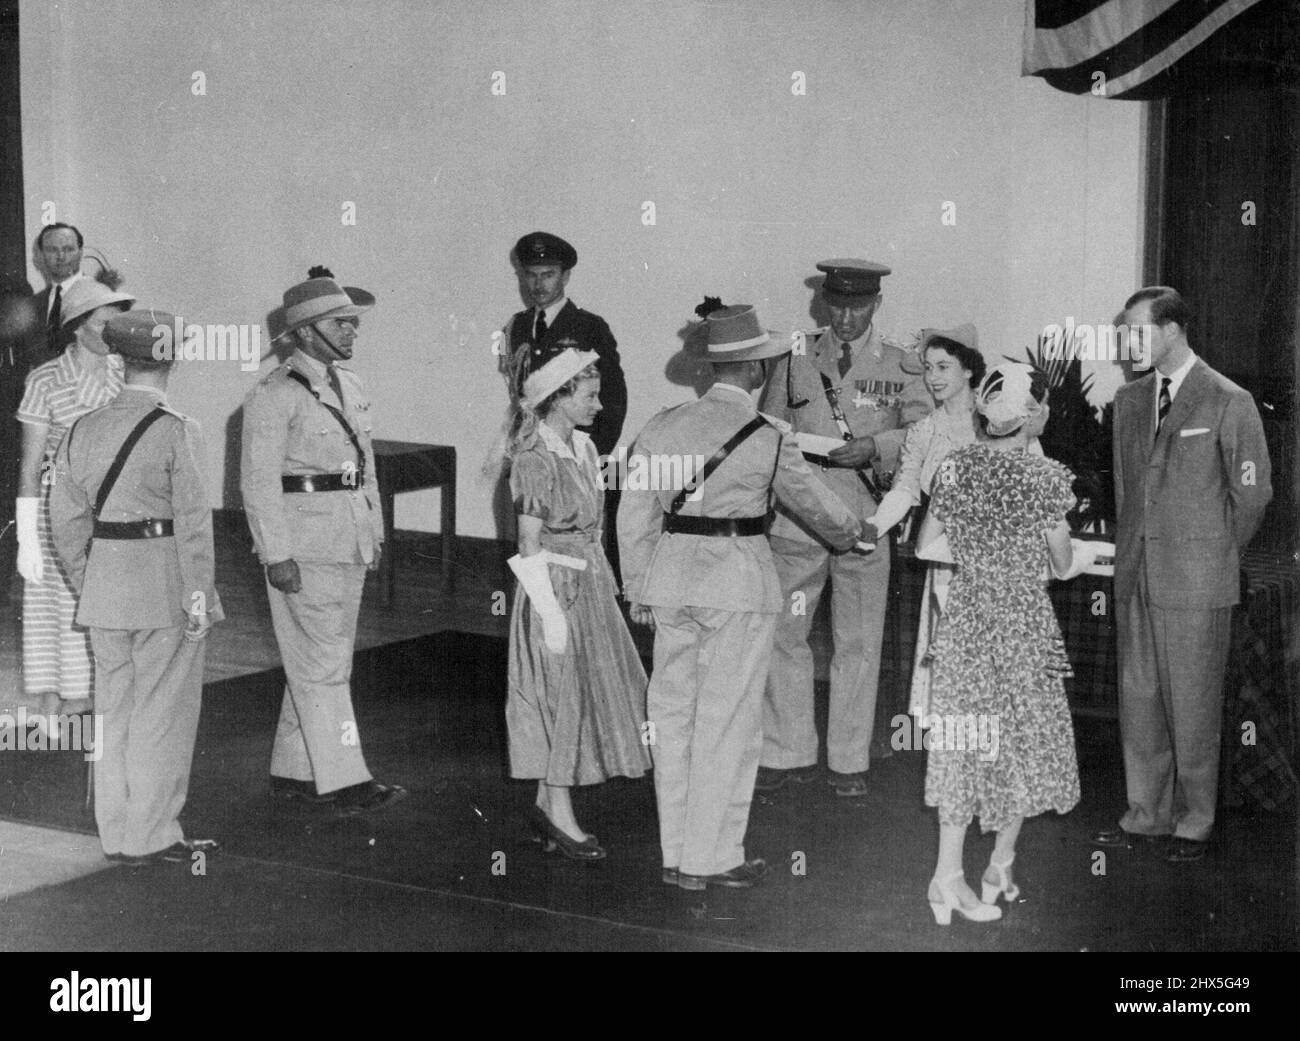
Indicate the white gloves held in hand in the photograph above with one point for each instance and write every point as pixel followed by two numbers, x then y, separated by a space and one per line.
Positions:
pixel 30 564
pixel 534 575
pixel 1085 555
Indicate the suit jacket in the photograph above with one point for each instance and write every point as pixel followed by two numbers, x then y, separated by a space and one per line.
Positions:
pixel 40 346
pixel 584 331
pixel 882 395
pixel 135 583
pixel 1190 500
pixel 730 574
pixel 288 431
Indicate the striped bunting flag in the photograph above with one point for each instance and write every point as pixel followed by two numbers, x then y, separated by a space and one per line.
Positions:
pixel 1111 47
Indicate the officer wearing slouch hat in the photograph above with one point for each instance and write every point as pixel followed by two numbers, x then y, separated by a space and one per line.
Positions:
pixel 132 525
pixel 699 569
pixel 850 382
pixel 312 501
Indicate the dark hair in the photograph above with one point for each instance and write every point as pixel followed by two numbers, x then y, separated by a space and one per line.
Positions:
pixel 1037 390
pixel 1167 305
pixel 40 236
pixel 967 357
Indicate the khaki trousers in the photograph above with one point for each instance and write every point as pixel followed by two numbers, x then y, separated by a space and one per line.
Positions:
pixel 1171 666
pixel 317 737
pixel 859 593
pixel 706 701
pixel 148 690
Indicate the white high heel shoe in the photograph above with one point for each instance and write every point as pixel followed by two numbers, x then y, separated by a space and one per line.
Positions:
pixel 989 890
pixel 947 902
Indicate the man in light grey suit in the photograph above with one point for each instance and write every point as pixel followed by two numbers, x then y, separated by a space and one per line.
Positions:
pixel 1192 479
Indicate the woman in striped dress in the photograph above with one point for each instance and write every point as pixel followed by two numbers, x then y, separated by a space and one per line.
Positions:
pixel 57 663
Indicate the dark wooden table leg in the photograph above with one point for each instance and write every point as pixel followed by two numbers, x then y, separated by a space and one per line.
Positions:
pixel 388 564
pixel 448 495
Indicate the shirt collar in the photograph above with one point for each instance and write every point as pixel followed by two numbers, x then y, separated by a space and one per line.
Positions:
pixel 136 388
pixel 730 388
pixel 1176 377
pixel 829 348
pixel 313 367
pixel 553 310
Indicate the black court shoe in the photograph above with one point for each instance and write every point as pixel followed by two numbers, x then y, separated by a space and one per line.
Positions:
pixel 305 791
pixel 553 838
pixel 366 797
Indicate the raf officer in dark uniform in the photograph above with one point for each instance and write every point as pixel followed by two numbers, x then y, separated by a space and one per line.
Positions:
pixel 851 388
pixel 132 525
pixel 555 323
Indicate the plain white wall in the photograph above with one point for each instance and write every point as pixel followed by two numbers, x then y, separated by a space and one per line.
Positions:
pixel 212 205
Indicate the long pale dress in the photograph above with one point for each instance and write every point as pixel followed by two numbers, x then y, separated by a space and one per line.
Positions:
pixel 928 443
pixel 576 717
pixel 56 651
pixel 1001 745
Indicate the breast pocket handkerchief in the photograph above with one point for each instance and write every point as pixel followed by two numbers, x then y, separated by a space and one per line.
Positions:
pixel 1193 431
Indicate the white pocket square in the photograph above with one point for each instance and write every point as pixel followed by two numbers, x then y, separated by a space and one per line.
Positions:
pixel 1193 432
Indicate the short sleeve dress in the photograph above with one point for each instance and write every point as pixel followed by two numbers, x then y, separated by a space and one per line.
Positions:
pixel 56 651
pixel 576 717
pixel 1001 745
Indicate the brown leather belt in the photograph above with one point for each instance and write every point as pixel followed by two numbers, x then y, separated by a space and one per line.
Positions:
pixel 144 529
pixel 319 482
pixel 718 527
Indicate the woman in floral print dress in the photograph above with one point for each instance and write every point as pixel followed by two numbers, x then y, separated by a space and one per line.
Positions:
pixel 1001 746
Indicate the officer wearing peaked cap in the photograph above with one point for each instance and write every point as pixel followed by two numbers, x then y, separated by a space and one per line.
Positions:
pixel 698 568
pixel 312 501
pixel 552 324
pixel 851 387
pixel 132 525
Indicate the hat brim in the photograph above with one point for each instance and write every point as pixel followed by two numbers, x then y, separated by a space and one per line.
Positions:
pixel 774 346
pixel 351 311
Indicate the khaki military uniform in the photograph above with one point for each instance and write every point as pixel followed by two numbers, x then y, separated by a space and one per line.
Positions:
pixel 715 602
pixel 135 596
pixel 882 393
pixel 333 536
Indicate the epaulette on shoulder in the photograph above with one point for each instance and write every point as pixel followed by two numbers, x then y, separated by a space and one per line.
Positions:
pixel 172 412
pixel 279 372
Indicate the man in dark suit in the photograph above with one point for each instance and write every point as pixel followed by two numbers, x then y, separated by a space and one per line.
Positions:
pixel 58 256
pixel 1192 478
pixel 553 324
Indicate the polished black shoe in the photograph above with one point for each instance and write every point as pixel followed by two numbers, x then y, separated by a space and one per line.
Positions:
pixel 848 785
pixel 1118 838
pixel 745 876
pixel 288 788
pixel 129 860
pixel 366 797
pixel 554 839
pixel 773 779
pixel 671 876
pixel 1186 851
pixel 183 852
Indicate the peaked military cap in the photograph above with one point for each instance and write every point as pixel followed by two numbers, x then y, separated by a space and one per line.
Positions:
pixel 540 247
pixel 851 282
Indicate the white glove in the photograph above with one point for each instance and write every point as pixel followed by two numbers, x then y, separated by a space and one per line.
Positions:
pixel 534 575
pixel 1085 555
pixel 30 563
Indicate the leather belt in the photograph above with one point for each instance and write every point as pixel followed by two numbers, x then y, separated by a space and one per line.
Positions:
pixel 719 527
pixel 144 529
pixel 319 482
pixel 819 460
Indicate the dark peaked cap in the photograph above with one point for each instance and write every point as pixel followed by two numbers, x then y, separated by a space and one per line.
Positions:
pixel 539 247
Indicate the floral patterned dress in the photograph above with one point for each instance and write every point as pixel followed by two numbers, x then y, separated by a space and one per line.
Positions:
pixel 1001 745
pixel 576 717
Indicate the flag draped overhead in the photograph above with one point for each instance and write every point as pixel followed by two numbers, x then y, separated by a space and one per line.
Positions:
pixel 1110 48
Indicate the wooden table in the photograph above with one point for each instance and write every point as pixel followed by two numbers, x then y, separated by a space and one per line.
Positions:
pixel 408 466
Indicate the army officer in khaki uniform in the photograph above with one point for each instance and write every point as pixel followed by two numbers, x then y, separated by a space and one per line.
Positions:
pixel 312 500
pixel 697 567
pixel 129 476
pixel 847 381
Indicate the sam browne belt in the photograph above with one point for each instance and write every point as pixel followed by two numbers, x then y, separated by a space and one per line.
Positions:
pixel 319 482
pixel 721 527
pixel 141 529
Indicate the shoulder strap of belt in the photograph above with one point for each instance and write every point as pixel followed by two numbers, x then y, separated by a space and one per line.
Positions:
pixel 837 413
pixel 294 374
pixel 717 460
pixel 123 453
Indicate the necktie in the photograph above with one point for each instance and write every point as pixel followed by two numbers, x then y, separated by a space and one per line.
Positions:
pixel 846 359
pixel 56 317
pixel 1165 402
pixel 336 386
pixel 541 327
